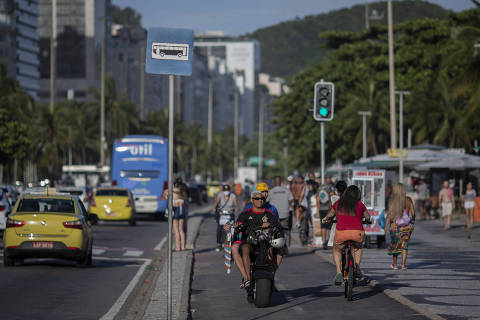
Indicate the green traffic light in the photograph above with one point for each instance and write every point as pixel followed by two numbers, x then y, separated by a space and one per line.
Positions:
pixel 323 112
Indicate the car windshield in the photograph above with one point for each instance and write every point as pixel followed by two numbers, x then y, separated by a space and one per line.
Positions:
pixel 46 205
pixel 112 192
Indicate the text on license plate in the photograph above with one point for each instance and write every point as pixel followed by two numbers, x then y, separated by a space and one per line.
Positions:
pixel 43 245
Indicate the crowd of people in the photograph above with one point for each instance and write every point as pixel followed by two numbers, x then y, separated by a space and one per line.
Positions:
pixel 290 199
pixel 287 201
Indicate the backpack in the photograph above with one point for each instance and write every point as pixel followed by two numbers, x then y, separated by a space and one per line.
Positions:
pixel 404 220
pixel 324 197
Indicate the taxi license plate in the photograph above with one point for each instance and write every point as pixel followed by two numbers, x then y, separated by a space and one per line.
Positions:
pixel 42 245
pixel 111 214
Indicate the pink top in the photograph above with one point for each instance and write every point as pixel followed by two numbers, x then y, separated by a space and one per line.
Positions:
pixel 346 222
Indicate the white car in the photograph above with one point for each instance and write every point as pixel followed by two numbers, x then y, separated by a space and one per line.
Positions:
pixel 80 192
pixel 5 209
pixel 11 192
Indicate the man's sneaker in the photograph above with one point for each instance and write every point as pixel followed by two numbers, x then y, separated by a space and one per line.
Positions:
pixel 338 279
pixel 219 246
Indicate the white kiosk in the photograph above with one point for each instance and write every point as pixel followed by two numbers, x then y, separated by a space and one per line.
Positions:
pixel 372 186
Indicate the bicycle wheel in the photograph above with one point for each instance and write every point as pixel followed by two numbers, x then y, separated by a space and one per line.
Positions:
pixel 344 272
pixel 349 283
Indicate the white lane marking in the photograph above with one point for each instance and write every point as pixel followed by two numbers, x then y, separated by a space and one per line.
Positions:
pixel 133 253
pixel 97 252
pixel 159 246
pixel 123 297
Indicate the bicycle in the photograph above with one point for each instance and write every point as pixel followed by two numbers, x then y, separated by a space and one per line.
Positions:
pixel 349 268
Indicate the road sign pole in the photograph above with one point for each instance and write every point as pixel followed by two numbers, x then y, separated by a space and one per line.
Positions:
pixel 170 194
pixel 322 150
pixel 169 51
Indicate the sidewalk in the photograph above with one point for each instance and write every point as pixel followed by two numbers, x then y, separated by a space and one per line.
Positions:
pixel 181 273
pixel 443 276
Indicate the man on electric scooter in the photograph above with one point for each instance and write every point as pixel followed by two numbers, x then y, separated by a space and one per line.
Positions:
pixel 248 220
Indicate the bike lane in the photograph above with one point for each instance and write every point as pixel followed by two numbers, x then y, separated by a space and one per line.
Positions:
pixel 443 271
pixel 305 288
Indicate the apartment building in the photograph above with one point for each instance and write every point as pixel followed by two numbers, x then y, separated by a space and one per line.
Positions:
pixel 19 42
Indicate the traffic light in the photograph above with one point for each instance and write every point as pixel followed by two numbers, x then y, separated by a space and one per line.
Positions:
pixel 323 101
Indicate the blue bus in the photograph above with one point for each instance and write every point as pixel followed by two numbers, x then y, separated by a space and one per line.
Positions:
pixel 140 163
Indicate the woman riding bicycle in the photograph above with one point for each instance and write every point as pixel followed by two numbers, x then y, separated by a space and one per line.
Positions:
pixel 349 211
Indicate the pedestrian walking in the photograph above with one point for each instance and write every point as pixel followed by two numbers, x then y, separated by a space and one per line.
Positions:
pixel 469 205
pixel 422 192
pixel 399 221
pixel 447 203
pixel 224 207
pixel 323 205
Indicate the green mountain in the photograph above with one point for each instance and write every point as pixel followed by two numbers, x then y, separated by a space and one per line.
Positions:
pixel 292 46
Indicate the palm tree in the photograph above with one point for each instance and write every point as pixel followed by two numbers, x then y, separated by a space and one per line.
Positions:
pixel 365 97
pixel 121 115
pixel 466 59
pixel 453 130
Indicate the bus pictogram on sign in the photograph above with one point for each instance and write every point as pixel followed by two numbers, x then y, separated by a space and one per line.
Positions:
pixel 170 51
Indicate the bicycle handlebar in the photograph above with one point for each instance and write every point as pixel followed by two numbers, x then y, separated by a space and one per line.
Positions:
pixel 364 221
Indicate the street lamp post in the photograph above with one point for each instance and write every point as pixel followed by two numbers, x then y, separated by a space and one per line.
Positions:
pixel 209 126
pixel 391 70
pixel 285 157
pixel 102 97
pixel 260 140
pixel 364 115
pixel 53 46
pixel 400 157
pixel 235 135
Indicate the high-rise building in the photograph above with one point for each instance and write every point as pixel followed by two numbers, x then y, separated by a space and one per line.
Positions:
pixel 80 25
pixel 242 61
pixel 126 64
pixel 19 42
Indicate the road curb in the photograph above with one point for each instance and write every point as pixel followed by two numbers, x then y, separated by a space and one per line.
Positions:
pixel 185 300
pixel 374 284
pixel 188 276
pixel 157 305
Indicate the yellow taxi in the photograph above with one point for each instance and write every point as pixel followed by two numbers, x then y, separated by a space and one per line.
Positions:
pixel 113 204
pixel 213 189
pixel 48 225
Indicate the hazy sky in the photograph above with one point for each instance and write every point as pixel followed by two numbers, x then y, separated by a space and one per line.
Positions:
pixel 239 17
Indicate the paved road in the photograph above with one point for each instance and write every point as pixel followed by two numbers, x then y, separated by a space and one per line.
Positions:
pixel 443 274
pixel 56 289
pixel 304 280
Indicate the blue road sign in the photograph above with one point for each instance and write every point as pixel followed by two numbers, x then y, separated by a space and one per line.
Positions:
pixel 169 51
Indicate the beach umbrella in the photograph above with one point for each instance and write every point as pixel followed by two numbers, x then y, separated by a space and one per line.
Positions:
pixel 227 250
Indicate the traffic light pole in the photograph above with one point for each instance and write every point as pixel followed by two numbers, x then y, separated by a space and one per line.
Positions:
pixel 323 109
pixel 322 150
